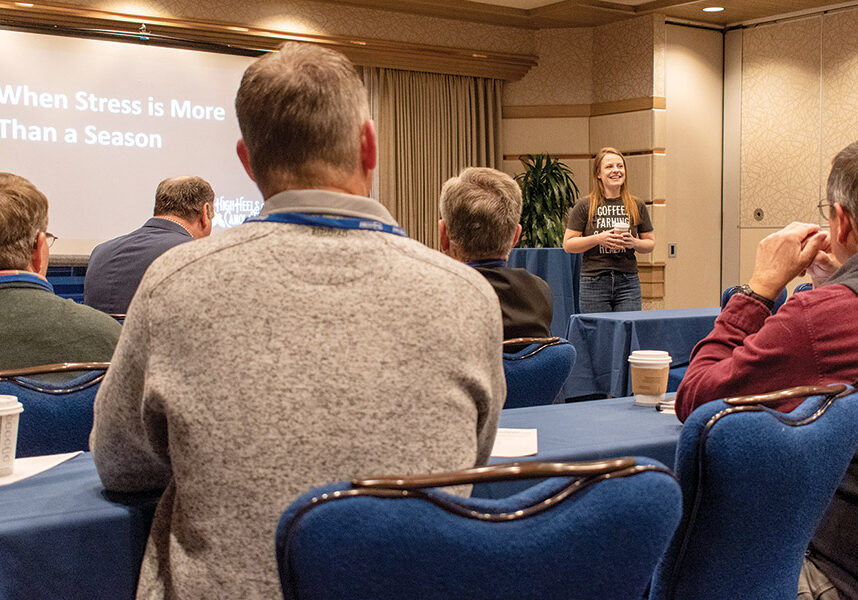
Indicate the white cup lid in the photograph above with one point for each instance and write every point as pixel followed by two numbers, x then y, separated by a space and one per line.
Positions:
pixel 10 405
pixel 650 357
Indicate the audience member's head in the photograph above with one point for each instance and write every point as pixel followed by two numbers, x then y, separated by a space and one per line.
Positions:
pixel 23 224
pixel 189 199
pixel 480 214
pixel 842 196
pixel 305 122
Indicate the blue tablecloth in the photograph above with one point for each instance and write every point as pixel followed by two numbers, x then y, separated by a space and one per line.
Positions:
pixel 589 431
pixel 561 271
pixel 605 340
pixel 62 536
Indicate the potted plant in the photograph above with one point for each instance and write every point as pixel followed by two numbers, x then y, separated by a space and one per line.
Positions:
pixel 547 191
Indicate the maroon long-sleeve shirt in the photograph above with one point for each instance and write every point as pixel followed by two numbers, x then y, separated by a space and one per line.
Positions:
pixel 811 340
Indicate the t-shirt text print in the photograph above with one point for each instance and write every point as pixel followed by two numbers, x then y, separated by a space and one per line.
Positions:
pixel 599 259
pixel 606 216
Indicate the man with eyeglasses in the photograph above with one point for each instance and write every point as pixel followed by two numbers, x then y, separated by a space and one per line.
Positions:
pixel 810 341
pixel 184 209
pixel 38 327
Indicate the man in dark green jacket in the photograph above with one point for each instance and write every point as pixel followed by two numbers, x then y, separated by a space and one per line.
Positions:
pixel 38 327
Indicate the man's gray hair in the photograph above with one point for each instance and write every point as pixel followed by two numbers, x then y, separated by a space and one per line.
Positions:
pixel 183 197
pixel 300 111
pixel 481 209
pixel 842 184
pixel 23 216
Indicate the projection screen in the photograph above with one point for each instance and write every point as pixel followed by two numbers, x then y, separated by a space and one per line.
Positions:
pixel 97 124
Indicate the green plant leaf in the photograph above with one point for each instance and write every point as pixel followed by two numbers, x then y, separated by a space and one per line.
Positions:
pixel 548 190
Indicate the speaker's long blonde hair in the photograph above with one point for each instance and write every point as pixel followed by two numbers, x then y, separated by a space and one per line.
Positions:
pixel 597 190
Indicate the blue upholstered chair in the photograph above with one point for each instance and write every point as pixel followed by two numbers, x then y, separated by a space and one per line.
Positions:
pixel 755 484
pixel 592 530
pixel 728 293
pixel 536 373
pixel 803 287
pixel 57 413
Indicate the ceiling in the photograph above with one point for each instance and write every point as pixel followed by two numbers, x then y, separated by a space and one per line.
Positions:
pixel 541 14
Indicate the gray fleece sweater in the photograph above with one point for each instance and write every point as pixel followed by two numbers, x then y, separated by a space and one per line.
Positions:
pixel 273 357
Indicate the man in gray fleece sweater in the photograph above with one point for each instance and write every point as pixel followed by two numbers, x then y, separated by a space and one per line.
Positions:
pixel 314 344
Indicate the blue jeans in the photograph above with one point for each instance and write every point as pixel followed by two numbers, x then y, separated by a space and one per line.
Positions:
pixel 610 291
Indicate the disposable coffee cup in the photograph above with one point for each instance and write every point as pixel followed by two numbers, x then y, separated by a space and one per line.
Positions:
pixel 621 227
pixel 10 408
pixel 649 376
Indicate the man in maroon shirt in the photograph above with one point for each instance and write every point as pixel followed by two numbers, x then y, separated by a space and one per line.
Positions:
pixel 807 342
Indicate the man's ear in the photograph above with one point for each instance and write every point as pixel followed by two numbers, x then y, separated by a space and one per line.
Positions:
pixel 442 234
pixel 368 147
pixel 204 220
pixel 845 224
pixel 40 256
pixel 517 235
pixel 244 157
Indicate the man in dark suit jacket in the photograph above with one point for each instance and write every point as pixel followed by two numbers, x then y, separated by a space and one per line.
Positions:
pixel 184 209
pixel 480 214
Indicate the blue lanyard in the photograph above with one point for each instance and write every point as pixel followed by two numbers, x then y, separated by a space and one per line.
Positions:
pixel 23 277
pixel 487 263
pixel 296 218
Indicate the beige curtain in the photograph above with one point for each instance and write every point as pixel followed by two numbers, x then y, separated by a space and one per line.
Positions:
pixel 430 127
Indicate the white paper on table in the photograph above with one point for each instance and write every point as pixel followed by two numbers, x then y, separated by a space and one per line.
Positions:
pixel 510 443
pixel 33 465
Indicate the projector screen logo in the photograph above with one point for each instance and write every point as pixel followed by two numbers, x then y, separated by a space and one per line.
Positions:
pixel 230 212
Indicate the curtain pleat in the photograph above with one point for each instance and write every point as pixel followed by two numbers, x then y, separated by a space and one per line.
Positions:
pixel 430 127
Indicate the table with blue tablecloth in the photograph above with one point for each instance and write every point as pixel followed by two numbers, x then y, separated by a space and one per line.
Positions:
pixel 589 431
pixel 63 536
pixel 603 342
pixel 561 270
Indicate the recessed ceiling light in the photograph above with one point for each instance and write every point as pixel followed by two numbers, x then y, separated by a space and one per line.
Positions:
pixel 713 9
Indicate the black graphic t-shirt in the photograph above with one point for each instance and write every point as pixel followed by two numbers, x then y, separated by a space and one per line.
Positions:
pixel 599 258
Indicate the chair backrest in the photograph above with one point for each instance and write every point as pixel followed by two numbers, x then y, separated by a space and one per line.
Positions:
pixel 596 532
pixel 755 484
pixel 57 413
pixel 730 291
pixel 802 287
pixel 536 373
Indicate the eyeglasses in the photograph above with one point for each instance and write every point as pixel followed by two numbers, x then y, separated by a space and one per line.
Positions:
pixel 824 207
pixel 50 238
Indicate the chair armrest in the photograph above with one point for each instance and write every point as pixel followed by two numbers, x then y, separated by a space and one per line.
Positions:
pixel 54 368
pixel 500 472
pixel 779 396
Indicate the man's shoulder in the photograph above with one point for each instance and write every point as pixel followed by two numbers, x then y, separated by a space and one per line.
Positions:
pixel 106 248
pixel 516 275
pixel 92 316
pixel 181 256
pixel 431 263
pixel 143 238
pixel 518 282
pixel 820 299
pixel 71 314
